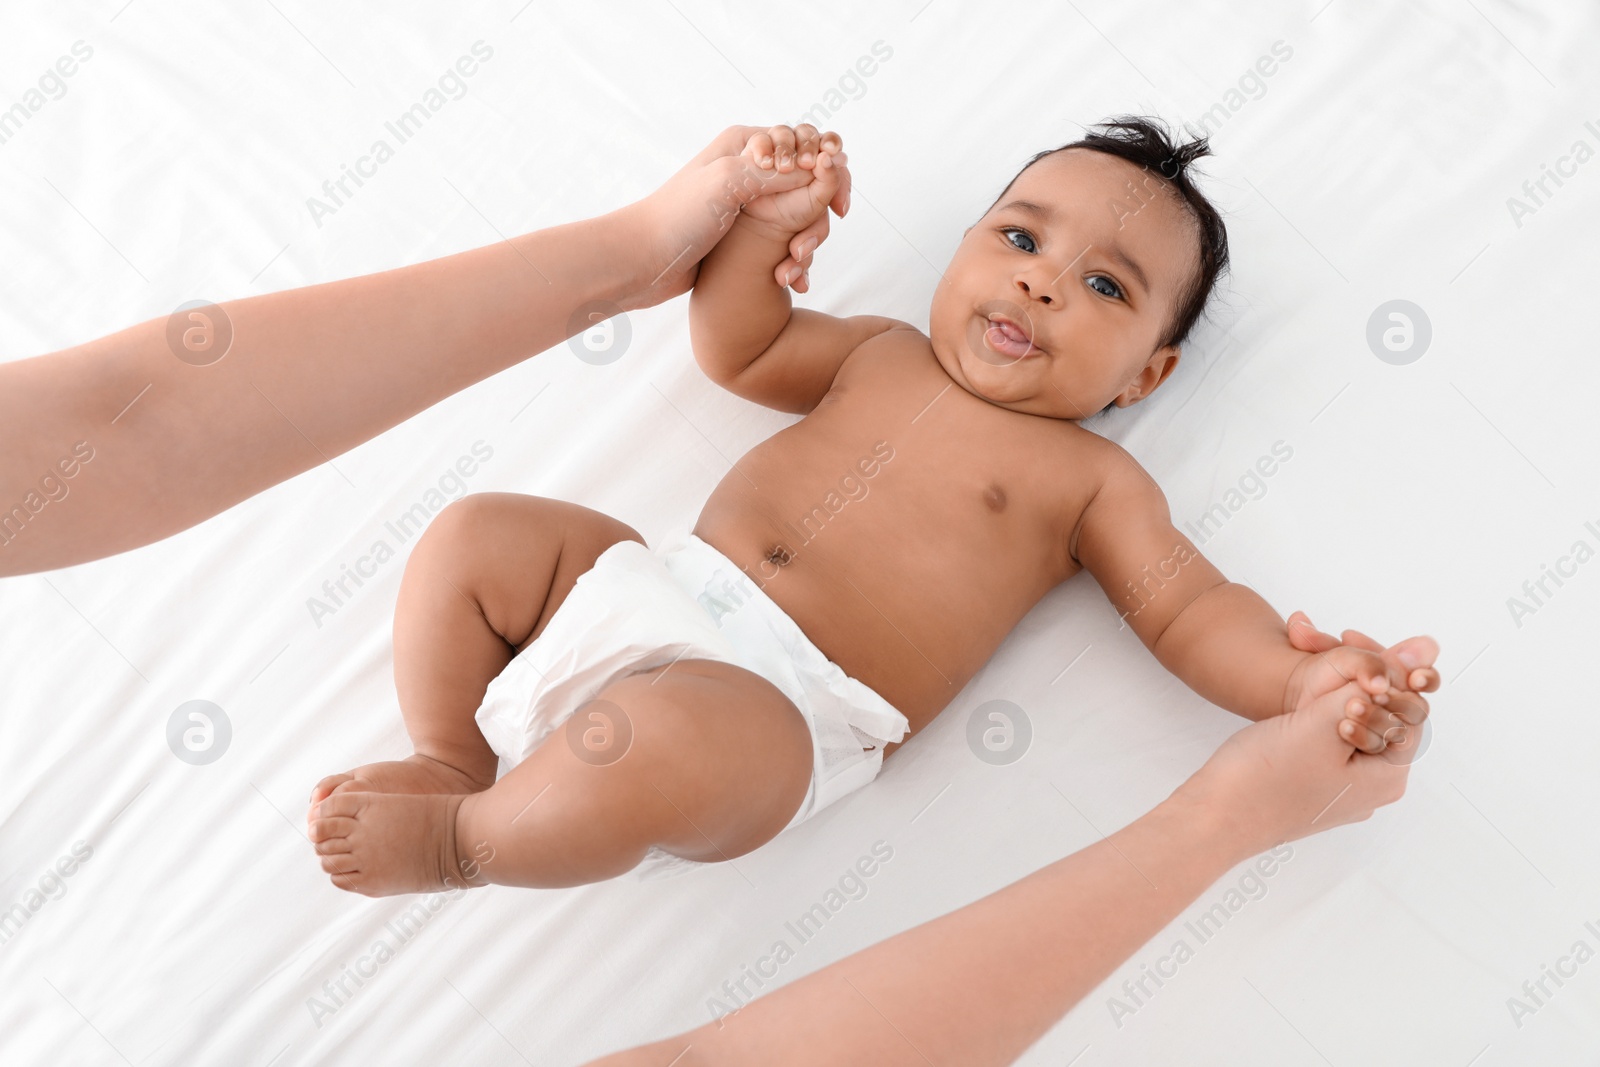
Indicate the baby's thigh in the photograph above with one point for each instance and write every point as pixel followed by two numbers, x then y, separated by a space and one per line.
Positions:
pixel 727 757
pixel 702 759
pixel 516 557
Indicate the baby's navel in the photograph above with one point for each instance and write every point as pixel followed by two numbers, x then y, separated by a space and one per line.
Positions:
pixel 995 498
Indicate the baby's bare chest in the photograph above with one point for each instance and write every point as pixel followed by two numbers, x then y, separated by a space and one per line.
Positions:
pixel 906 532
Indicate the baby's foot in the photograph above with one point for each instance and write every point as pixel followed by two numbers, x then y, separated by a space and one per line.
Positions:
pixel 416 774
pixel 380 844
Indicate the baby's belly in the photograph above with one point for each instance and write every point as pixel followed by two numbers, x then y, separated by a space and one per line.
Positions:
pixel 911 615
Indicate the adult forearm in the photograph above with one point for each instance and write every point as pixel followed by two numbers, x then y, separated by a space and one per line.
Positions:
pixel 310 373
pixel 979 985
pixel 738 309
pixel 1232 648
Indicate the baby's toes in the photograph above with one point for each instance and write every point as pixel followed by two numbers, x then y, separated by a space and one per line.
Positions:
pixel 331 833
pixel 341 864
pixel 334 817
pixel 323 789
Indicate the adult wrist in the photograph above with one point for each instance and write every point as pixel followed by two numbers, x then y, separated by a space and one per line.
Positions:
pixel 626 241
pixel 1219 823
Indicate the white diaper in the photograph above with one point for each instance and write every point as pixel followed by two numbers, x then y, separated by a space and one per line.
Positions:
pixel 638 608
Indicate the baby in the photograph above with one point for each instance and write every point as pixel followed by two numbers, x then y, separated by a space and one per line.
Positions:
pixel 583 705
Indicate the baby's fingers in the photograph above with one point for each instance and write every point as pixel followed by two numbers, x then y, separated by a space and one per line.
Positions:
pixel 1407 707
pixel 1366 669
pixel 1415 655
pixel 806 143
pixel 783 147
pixel 760 148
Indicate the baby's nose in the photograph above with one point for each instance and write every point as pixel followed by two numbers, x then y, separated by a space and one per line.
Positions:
pixel 1042 293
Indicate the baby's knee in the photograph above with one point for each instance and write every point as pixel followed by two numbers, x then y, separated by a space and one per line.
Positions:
pixel 479 527
pixel 468 517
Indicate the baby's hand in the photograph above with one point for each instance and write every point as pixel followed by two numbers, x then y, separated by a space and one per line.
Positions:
pixel 800 214
pixel 1391 679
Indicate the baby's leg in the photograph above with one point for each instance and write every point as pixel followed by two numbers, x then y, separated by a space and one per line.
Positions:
pixel 480 585
pixel 718 762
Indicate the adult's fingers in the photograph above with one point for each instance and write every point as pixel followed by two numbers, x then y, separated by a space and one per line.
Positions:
pixel 801 249
pixel 740 179
pixel 1408 707
pixel 805 243
pixel 730 142
pixel 1363 737
pixel 1424 679
pixel 1368 725
pixel 841 199
pixel 1370 780
pixel 1382 778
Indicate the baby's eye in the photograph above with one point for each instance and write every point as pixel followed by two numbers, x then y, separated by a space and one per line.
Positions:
pixel 1116 290
pixel 1025 235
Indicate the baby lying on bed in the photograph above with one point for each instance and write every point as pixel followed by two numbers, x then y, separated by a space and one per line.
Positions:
pixel 583 705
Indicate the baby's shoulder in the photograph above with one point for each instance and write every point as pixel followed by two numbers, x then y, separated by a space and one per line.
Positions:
pixel 897 348
pixel 1100 457
pixel 1104 471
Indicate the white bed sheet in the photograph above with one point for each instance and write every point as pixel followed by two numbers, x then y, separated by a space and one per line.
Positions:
pixel 1374 164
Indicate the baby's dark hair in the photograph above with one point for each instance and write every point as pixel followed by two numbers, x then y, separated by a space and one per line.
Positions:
pixel 1146 143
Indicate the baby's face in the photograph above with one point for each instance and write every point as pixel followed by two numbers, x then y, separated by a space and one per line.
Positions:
pixel 1088 254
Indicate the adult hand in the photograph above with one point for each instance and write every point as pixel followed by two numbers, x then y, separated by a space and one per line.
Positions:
pixel 688 215
pixel 1292 775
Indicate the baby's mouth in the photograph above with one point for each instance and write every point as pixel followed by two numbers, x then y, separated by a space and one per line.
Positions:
pixel 1006 337
pixel 1001 334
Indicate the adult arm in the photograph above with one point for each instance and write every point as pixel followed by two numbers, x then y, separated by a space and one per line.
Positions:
pixel 316 371
pixel 978 986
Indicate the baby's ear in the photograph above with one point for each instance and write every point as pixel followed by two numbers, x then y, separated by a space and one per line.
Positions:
pixel 1163 361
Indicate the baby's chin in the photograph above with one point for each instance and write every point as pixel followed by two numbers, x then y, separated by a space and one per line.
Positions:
pixel 1023 389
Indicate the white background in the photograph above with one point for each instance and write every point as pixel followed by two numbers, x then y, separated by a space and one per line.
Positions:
pixel 1375 164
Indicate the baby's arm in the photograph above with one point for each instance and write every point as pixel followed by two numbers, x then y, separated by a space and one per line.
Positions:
pixel 1222 639
pixel 747 335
